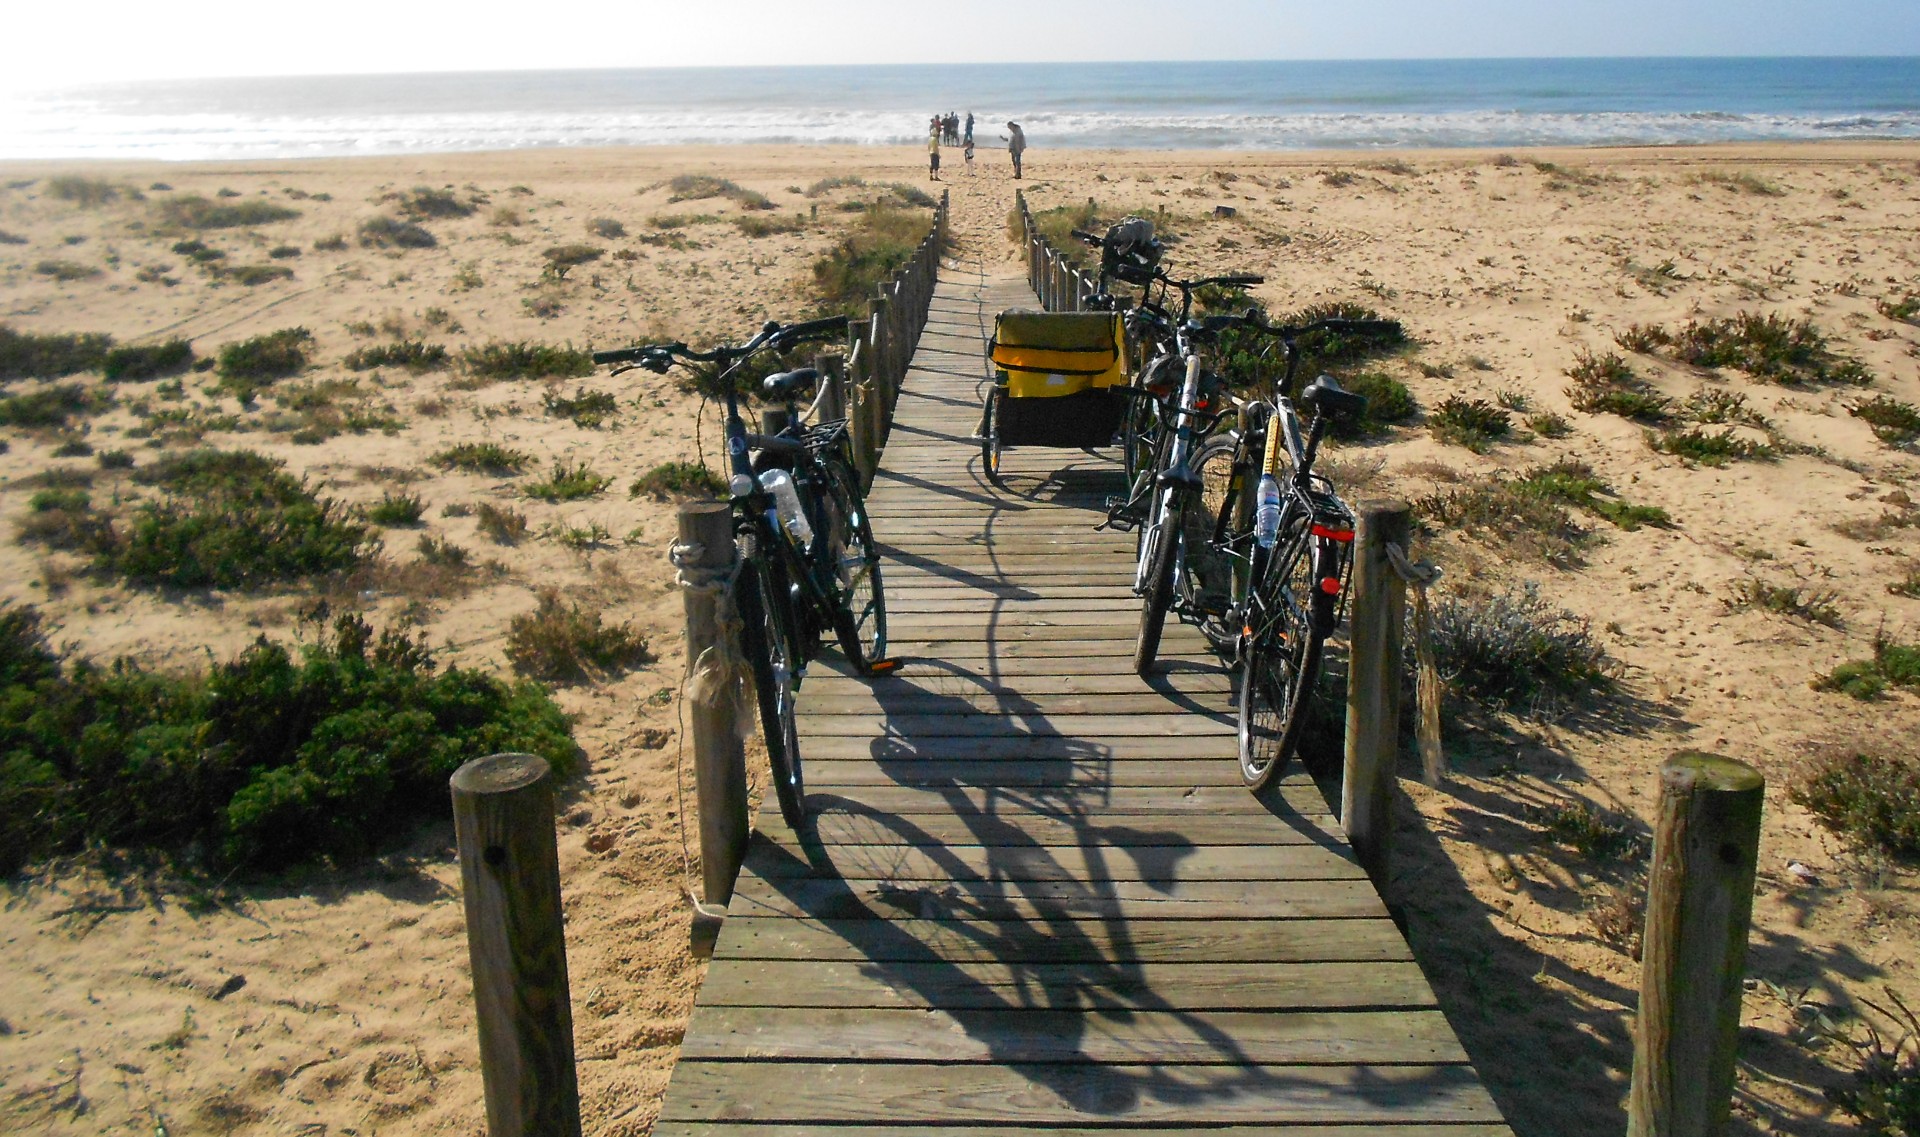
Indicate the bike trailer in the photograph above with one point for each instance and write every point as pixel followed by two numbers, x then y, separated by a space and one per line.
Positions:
pixel 1059 379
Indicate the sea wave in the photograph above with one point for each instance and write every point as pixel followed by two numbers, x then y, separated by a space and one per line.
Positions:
pixel 70 129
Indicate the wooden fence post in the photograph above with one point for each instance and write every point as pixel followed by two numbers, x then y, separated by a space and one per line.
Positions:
pixel 1373 687
pixel 516 944
pixel 719 758
pixel 1706 846
pixel 832 400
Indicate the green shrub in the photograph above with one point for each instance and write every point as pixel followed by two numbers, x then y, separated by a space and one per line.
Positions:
pixel 696 187
pixel 132 364
pixel 1605 384
pixel 755 226
pixel 1643 339
pixel 1593 833
pixel 424 201
pixel 1549 424
pixel 251 364
pixel 7 238
pixel 524 360
pixel 606 228
pixel 232 519
pixel 254 275
pixel 191 211
pixel 397 510
pixel 1767 347
pixel 24 355
pixel 64 518
pixel 678 479
pixel 1905 309
pixel 389 232
pixel 873 250
pixel 506 525
pixel 569 481
pixel 1720 408
pixel 1870 799
pixel 1708 448
pixel 199 252
pixel 1893 664
pixel 590 409
pixel 116 460
pixel 82 191
pixel 1325 348
pixel 1388 402
pixel 332 243
pixel 53 406
pixel 564 643
pixel 284 252
pixel 482 458
pixel 1892 421
pixel 269 759
pixel 827 185
pixel 1473 423
pixel 1741 181
pixel 415 356
pixel 1882 1092
pixel 65 270
pixel 1513 648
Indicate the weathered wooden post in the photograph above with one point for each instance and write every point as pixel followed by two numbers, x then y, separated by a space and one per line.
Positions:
pixel 516 944
pixel 1706 846
pixel 1373 686
pixel 831 402
pixel 713 707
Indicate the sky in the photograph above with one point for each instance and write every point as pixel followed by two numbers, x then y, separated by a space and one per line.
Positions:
pixel 59 44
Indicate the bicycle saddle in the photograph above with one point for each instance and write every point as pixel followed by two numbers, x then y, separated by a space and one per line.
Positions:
pixel 1327 396
pixel 791 382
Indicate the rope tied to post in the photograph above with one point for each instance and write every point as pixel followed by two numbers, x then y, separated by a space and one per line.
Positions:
pixel 1428 689
pixel 720 672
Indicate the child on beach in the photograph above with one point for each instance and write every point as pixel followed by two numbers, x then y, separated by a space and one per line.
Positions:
pixel 969 154
pixel 933 155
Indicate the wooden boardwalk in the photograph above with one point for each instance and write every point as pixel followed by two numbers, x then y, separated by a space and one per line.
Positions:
pixel 1038 897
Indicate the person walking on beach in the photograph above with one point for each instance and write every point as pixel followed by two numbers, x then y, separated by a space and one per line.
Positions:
pixel 1016 140
pixel 969 153
pixel 933 154
pixel 967 138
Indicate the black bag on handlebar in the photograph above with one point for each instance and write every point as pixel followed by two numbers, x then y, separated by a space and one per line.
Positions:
pixel 1130 251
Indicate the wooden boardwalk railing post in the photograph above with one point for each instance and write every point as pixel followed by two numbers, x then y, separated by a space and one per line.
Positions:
pixel 719 758
pixel 1706 847
pixel 1373 687
pixel 516 943
pixel 831 403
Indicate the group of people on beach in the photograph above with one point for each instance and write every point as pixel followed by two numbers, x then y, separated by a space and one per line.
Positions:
pixel 948 128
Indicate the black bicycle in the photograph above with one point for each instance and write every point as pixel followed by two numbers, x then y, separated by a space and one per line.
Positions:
pixel 808 560
pixel 1281 549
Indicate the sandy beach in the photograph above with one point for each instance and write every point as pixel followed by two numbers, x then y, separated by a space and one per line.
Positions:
pixel 338 1002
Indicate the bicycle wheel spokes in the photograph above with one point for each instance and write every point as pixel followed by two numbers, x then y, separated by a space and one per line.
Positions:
pixel 1279 661
pixel 860 620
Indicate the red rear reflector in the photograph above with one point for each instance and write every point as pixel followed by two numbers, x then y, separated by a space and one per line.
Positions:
pixel 1330 585
pixel 1332 534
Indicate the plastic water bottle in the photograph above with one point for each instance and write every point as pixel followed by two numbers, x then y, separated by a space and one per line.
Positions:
pixel 1266 518
pixel 786 503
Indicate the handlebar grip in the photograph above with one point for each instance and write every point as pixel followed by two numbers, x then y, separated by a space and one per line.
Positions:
pixel 1083 235
pixel 1240 281
pixel 774 444
pixel 619 355
pixel 1362 326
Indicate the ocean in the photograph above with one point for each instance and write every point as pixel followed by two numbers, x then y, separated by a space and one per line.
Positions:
pixel 1258 106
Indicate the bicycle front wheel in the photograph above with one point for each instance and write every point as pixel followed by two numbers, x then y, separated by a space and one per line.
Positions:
pixel 1163 541
pixel 1279 664
pixel 766 639
pixel 860 620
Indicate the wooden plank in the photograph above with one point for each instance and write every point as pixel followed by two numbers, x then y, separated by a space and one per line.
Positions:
pixel 834 823
pixel 1296 797
pixel 997 985
pixel 999 756
pixel 1176 723
pixel 1218 704
pixel 907 939
pixel 1094 865
pixel 1076 1094
pixel 1048 900
pixel 926 681
pixel 1169 1038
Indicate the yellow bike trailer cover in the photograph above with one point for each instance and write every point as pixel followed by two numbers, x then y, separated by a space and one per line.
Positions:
pixel 1049 354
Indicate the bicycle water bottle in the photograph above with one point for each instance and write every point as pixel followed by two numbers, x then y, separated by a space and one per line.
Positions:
pixel 1266 519
pixel 786 503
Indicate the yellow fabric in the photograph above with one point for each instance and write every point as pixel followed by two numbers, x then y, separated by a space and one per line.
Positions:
pixel 1047 354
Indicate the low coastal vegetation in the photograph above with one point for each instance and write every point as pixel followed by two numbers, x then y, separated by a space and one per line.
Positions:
pixel 274 757
pixel 1770 347
pixel 562 642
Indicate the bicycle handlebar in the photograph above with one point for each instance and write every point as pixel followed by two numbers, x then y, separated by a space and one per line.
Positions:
pixel 660 356
pixel 1087 238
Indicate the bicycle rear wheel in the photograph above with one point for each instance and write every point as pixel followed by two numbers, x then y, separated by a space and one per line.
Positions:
pixel 1280 663
pixel 860 621
pixel 990 446
pixel 1214 560
pixel 766 639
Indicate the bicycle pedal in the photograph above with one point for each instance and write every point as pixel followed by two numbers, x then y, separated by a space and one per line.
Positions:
pixel 883 666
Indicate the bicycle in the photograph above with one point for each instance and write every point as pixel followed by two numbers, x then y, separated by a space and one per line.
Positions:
pixel 808 560
pixel 1159 438
pixel 1284 541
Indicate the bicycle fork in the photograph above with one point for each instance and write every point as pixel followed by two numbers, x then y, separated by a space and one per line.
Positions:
pixel 1175 484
